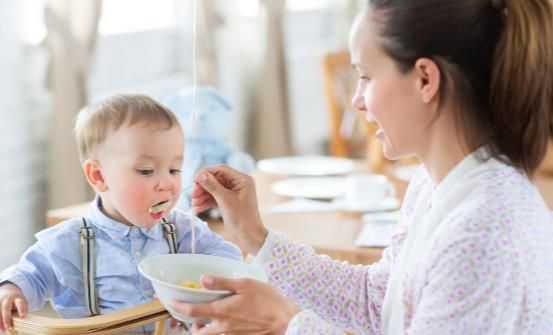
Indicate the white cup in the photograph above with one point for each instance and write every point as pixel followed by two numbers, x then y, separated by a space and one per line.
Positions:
pixel 364 190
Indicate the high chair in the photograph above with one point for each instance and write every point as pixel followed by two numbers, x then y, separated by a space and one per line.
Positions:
pixel 112 323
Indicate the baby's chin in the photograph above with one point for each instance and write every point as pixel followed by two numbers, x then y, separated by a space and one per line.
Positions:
pixel 145 221
pixel 146 224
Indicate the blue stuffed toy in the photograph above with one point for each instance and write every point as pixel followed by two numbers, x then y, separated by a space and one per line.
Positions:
pixel 205 130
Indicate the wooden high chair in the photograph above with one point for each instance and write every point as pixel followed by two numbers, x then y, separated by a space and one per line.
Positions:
pixel 350 135
pixel 112 323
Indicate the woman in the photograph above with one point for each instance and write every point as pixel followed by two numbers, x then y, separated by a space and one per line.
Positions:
pixel 465 86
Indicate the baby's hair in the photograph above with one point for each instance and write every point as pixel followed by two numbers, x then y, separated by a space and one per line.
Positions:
pixel 97 120
pixel 496 60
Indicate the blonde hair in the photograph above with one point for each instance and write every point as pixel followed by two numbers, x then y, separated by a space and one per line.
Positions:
pixel 99 119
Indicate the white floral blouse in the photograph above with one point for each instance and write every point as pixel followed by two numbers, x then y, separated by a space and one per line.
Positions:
pixel 472 255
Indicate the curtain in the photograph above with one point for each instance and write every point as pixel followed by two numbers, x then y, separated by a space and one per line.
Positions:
pixel 271 128
pixel 20 193
pixel 208 22
pixel 72 29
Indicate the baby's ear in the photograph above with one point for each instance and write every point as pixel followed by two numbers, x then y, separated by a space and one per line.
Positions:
pixel 94 176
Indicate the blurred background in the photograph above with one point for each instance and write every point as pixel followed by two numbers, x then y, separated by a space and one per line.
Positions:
pixel 267 57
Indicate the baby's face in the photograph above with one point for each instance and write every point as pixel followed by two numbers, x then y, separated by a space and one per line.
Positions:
pixel 141 166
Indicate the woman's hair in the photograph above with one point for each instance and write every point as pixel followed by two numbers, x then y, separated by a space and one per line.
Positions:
pixel 495 57
pixel 99 119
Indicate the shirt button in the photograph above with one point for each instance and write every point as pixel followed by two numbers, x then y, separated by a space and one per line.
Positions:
pixel 149 293
pixel 138 254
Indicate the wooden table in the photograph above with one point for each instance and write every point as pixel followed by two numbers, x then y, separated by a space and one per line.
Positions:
pixel 329 233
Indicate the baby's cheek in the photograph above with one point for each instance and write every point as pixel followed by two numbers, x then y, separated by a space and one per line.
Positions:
pixel 137 199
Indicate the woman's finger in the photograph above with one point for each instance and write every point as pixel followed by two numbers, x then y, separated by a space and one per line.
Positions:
pixel 211 329
pixel 173 323
pixel 193 310
pixel 196 328
pixel 198 191
pixel 221 283
pixel 205 199
pixel 205 206
pixel 222 171
pixel 212 185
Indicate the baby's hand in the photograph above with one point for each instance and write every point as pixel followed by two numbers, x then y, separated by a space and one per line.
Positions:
pixel 11 298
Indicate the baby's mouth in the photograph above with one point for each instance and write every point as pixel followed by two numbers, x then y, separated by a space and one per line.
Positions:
pixel 160 207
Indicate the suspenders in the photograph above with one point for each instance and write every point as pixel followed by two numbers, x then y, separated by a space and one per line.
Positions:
pixel 170 233
pixel 87 259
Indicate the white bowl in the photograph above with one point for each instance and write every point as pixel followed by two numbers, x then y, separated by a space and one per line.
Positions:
pixel 167 271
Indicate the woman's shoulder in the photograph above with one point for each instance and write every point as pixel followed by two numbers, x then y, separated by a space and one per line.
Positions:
pixel 503 202
pixel 503 188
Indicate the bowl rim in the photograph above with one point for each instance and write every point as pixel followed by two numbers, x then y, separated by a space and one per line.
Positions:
pixel 179 287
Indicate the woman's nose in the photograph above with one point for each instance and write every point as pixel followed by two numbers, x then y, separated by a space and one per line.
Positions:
pixel 358 102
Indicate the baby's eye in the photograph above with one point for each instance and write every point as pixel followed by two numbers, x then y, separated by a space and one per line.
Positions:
pixel 144 172
pixel 174 171
pixel 364 78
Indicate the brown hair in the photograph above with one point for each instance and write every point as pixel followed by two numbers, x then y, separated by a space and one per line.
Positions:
pixel 96 121
pixel 496 57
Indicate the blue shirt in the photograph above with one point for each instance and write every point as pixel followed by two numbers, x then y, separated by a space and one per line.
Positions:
pixel 51 268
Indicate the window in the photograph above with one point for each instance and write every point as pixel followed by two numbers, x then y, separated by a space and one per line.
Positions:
pixel 127 16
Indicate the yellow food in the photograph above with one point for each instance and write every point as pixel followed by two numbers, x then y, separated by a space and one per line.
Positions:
pixel 191 284
pixel 159 207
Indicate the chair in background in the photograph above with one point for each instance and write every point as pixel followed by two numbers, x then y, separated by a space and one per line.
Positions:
pixel 350 135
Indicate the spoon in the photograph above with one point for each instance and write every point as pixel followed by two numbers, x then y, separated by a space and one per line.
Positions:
pixel 164 205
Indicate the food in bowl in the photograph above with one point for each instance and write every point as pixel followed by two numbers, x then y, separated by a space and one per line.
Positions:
pixel 191 284
pixel 167 272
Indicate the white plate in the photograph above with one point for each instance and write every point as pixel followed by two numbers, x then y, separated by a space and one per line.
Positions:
pixel 378 228
pixel 387 204
pixel 306 165
pixel 311 187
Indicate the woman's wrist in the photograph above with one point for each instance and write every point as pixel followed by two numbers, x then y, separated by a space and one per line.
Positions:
pixel 289 312
pixel 255 239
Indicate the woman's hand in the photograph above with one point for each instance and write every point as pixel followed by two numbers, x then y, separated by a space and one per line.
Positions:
pixel 234 194
pixel 255 308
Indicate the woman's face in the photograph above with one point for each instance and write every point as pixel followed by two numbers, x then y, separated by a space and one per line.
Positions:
pixel 389 98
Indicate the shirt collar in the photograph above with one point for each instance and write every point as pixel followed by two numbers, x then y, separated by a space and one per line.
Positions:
pixel 115 229
pixel 478 158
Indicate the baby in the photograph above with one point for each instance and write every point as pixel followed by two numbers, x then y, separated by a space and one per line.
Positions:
pixel 131 150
